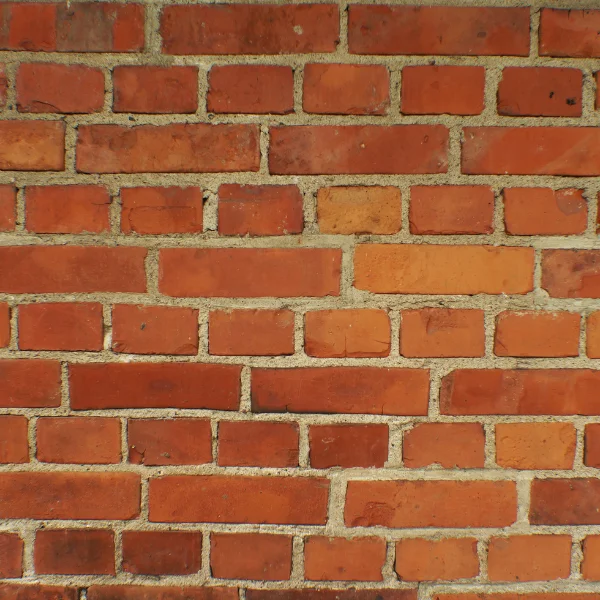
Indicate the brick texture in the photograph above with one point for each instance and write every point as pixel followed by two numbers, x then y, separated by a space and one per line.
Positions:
pixel 299 300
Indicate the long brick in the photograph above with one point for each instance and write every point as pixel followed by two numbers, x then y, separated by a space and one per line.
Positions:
pixel 154 385
pixel 353 390
pixel 29 383
pixel 175 148
pixel 358 149
pixel 430 503
pixel 571 273
pixel 347 593
pixel 163 592
pixel 32 146
pixel 250 272
pixel 520 392
pixel 71 269
pixel 249 29
pixel 440 269
pixel 55 495
pixel 571 32
pixel 565 502
pixel 531 151
pixel 238 499
pixel 37 592
pixel 444 30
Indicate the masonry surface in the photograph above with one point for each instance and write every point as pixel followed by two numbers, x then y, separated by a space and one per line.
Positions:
pixel 300 300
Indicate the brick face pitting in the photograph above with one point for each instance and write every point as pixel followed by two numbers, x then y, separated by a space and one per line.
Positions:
pixel 299 300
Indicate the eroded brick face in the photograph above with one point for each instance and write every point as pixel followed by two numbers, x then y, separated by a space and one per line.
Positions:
pixel 299 300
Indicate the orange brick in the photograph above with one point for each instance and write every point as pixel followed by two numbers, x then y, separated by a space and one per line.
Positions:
pixel 339 559
pixel 451 445
pixel 442 332
pixel 590 567
pixel 348 445
pixel 435 90
pixel 535 445
pixel 451 209
pixel 593 335
pixel 347 333
pixel 537 334
pixel 543 211
pixel 569 33
pixel 32 146
pixel 67 209
pixel 255 556
pixel 420 559
pixel 529 558
pixel 359 209
pixel 346 89
pixel 592 445
pixel 139 329
pixel 571 273
pixel 251 332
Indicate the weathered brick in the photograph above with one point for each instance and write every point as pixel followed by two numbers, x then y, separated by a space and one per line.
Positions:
pixel 571 273
pixel 32 146
pixel 569 32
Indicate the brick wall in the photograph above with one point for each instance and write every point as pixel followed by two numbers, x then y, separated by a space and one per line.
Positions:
pixel 299 301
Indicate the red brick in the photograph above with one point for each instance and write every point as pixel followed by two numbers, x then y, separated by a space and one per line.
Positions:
pixel 439 269
pixel 565 502
pixel 14 447
pixel 255 89
pixel 543 211
pixel 156 210
pixel 155 442
pixel 537 334
pixel 593 335
pixel 258 444
pixel 250 29
pixel 347 445
pixel 154 385
pixel 529 558
pixel 100 27
pixel 8 200
pixel 237 499
pixel 347 333
pixel 66 326
pixel 162 552
pixel 592 445
pixel 339 559
pixel 29 383
pixel 531 151
pixel 255 556
pixel 443 30
pixel 32 146
pixel 520 392
pixel 251 332
pixel 540 92
pixel 359 209
pixel 450 445
pixel 71 269
pixel 347 593
pixel 436 90
pixel 451 209
pixel 145 592
pixel 139 329
pixel 37 592
pixel 350 390
pixel 571 273
pixel 590 567
pixel 535 445
pixel 67 209
pixel 358 149
pixel 73 496
pixel 442 332
pixel 151 89
pixel 175 148
pixel 260 210
pixel 4 325
pixel 446 559
pixel 249 272
pixel 332 89
pixel 569 33
pixel 53 88
pixel 29 26
pixel 11 557
pixel 79 440
pixel 430 503
pixel 74 552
